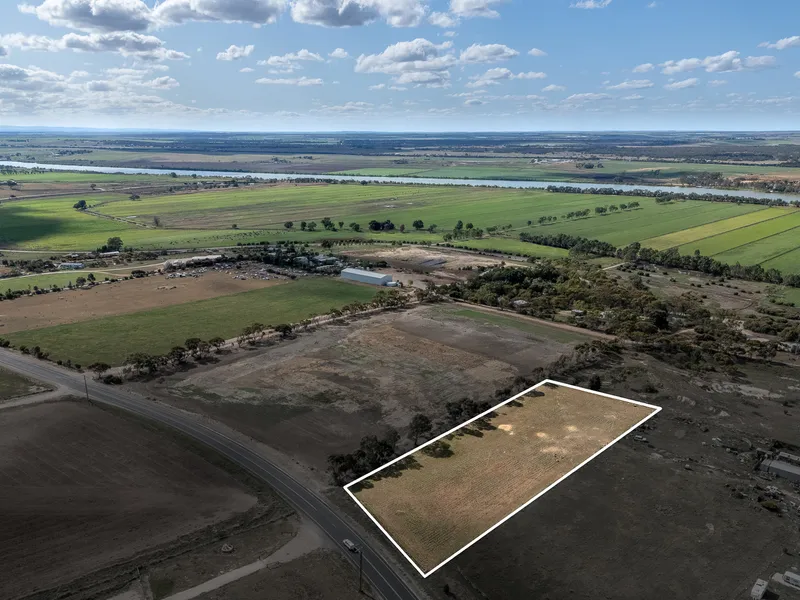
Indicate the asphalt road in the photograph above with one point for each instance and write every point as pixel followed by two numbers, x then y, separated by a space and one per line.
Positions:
pixel 380 574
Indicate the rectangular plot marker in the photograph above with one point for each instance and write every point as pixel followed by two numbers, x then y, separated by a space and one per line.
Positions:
pixel 439 499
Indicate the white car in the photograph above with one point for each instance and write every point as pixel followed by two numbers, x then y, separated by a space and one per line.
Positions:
pixel 350 546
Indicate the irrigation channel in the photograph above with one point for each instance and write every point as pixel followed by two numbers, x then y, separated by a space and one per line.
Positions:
pixel 499 183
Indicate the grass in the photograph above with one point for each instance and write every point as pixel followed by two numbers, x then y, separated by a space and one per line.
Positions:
pixel 13 385
pixel 220 218
pixel 47 280
pixel 536 329
pixel 733 242
pixel 759 251
pixel 112 339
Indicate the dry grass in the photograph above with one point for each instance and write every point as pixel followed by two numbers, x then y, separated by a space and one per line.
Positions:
pixel 439 505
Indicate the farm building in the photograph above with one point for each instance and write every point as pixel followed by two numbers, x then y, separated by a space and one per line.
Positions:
pixel 781 468
pixel 195 261
pixel 65 266
pixel 363 276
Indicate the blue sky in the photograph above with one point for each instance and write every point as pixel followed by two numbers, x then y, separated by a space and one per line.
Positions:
pixel 394 65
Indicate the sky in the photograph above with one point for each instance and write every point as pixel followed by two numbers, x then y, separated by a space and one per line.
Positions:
pixel 401 65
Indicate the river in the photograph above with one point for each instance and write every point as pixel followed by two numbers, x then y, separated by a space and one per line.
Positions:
pixel 414 180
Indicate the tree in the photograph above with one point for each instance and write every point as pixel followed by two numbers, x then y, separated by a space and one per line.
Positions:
pixel 192 344
pixel 355 227
pixel 157 221
pixel 311 226
pixel 420 425
pixel 93 186
pixel 288 224
pixel 114 244
pixel 80 205
pixel 91 277
pixel 303 225
pixel 595 382
pixel 133 197
pixel 99 368
pixel 459 225
pixel 284 329
pixel 174 175
pixel 80 281
pixel 217 342
pixel 418 224
pixel 402 228
pixel 341 224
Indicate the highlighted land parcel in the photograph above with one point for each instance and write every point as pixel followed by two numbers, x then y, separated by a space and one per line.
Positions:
pixel 439 499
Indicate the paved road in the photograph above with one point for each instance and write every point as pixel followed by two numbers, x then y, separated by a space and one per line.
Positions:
pixel 381 574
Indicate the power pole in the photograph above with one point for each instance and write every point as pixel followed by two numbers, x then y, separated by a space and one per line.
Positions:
pixel 86 387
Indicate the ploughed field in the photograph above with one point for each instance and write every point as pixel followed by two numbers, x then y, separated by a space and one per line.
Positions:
pixel 433 503
pixel 750 234
pixel 82 489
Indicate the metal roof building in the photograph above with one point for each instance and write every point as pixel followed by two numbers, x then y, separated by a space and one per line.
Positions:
pixel 781 469
pixel 363 276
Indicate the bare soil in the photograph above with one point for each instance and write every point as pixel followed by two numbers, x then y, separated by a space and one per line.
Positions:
pixel 13 385
pixel 320 393
pixel 56 308
pixel 82 489
pixel 320 575
pixel 442 503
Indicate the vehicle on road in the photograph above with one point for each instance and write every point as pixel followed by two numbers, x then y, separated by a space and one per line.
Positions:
pixel 350 545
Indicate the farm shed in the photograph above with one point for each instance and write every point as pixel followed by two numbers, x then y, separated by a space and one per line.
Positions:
pixel 366 276
pixel 781 469
pixel 65 266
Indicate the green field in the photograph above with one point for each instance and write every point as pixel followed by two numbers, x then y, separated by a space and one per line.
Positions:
pixel 536 329
pixel 112 339
pixel 60 279
pixel 220 218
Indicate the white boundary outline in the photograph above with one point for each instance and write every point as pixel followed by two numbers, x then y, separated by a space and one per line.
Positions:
pixel 656 410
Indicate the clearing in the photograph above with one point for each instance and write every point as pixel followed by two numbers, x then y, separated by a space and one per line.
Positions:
pixel 14 386
pixel 447 494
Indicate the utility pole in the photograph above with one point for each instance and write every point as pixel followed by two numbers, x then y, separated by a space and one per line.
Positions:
pixel 86 387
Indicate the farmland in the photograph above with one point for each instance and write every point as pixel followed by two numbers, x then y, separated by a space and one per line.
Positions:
pixel 158 330
pixel 14 386
pixel 260 213
pixel 316 394
pixel 61 465
pixel 441 501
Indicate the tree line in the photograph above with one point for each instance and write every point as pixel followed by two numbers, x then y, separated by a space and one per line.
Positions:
pixel 638 192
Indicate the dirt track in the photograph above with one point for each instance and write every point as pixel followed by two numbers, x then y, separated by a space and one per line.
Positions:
pixel 34 312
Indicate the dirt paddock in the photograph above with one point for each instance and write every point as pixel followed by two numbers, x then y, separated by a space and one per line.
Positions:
pixel 56 308
pixel 82 489
pixel 440 503
pixel 320 393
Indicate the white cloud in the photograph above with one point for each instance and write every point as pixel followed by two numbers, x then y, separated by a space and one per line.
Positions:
pixel 475 8
pixel 474 102
pixel 783 44
pixel 717 82
pixel 681 85
pixel 418 62
pixel 289 62
pixel 633 97
pixel 174 12
pixel 162 83
pixel 797 74
pixel 449 34
pixel 644 68
pixel 588 97
pixel 31 79
pixel 722 63
pixel 653 4
pixel 236 52
pixel 348 107
pixel 3 51
pixel 487 53
pixel 127 43
pixel 339 53
pixel 246 70
pixel 298 81
pixel 93 15
pixel 495 76
pixel 537 52
pixel 441 19
pixel 380 86
pixel 590 4
pixel 632 84
pixel 351 13
pixel 554 88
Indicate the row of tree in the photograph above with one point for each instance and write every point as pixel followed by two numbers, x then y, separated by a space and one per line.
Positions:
pixel 638 192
